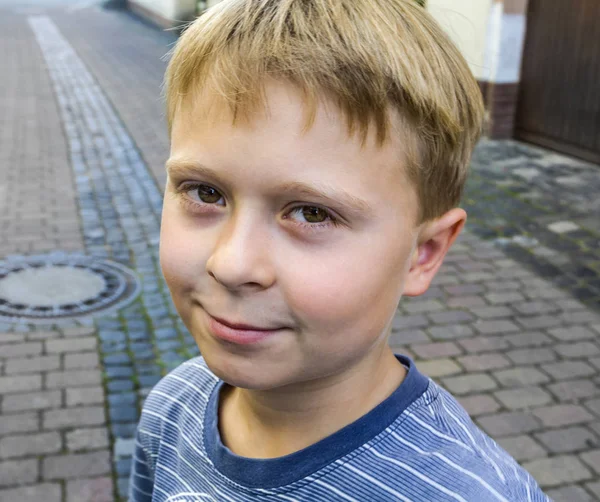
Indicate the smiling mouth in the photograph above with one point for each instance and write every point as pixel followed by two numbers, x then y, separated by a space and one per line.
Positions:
pixel 239 333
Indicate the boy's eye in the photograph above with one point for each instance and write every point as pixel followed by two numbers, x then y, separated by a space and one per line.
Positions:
pixel 206 194
pixel 311 214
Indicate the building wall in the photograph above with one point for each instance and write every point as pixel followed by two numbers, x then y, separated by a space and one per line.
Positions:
pixel 166 13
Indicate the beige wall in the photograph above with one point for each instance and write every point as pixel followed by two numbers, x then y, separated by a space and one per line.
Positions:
pixel 466 21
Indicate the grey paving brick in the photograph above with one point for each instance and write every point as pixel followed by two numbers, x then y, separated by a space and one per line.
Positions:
pixel 404 321
pixel 84 395
pixel 48 492
pixel 594 488
pixel 73 466
pixel 415 306
pixel 7 338
pixel 32 364
pixel 436 350
pixel 20 383
pixel 558 470
pixel 479 404
pixel 524 397
pixel 73 417
pixel 496 326
pixel 21 349
pixel 571 390
pixel 483 344
pixel 496 312
pixel 595 362
pixel 87 360
pixel 71 345
pixel 535 308
pixel 20 422
pixel 91 489
pixel 409 336
pixel 522 447
pixel 520 376
pixel 483 362
pixel 78 331
pixel 32 401
pixel 571 493
pixel 18 472
pixel 73 378
pixel 91 438
pixel 450 331
pixel 27 445
pixel 528 339
pixel 539 322
pixel 531 356
pixel 465 384
pixel 586 316
pixel 466 302
pixel 566 370
pixel 439 367
pixel 594 406
pixel 572 333
pixel 499 298
pixel 592 459
pixel 508 423
pixel 451 317
pixel 559 415
pixel 577 350
pixel 568 439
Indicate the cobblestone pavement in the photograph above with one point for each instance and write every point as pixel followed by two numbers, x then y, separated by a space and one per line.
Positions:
pixel 517 340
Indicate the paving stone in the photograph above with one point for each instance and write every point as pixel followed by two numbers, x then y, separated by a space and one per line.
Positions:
pixel 22 422
pixel 90 490
pixel 572 333
pixel 558 470
pixel 499 298
pixel 415 306
pixel 520 376
pixel 496 312
pixel 571 493
pixel 80 378
pixel 450 332
pixel 124 447
pixel 87 360
pixel 84 395
pixel 46 492
pixel 528 339
pixel 592 459
pixel 32 401
pixel 30 445
pixel 6 338
pixel 87 439
pixel 466 302
pixel 397 337
pixel 32 364
pixel 20 383
pixel 436 350
pixel 73 466
pixel 567 440
pixel 524 397
pixel 574 389
pixel 595 489
pixel 73 417
pixel 566 370
pixel 508 423
pixel 451 317
pixel 577 350
pixel 535 308
pixel 436 368
pixel 562 414
pixel 465 384
pixel 522 447
pixel 483 362
pixel 539 322
pixel 71 345
pixel 78 331
pixel 479 404
pixel 531 356
pixel 483 344
pixel 595 362
pixel 561 227
pixel 594 406
pixel 496 326
pixel 580 317
pixel 21 349
pixel 18 472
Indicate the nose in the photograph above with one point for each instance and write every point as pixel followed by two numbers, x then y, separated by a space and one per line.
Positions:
pixel 240 258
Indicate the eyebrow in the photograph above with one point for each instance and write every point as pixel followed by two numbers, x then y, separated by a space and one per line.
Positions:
pixel 327 193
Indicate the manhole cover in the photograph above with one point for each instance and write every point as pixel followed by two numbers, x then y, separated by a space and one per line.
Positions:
pixel 50 288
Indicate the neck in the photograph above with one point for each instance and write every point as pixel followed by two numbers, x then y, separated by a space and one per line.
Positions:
pixel 277 422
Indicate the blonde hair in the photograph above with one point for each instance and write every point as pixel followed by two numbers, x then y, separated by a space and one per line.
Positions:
pixel 369 57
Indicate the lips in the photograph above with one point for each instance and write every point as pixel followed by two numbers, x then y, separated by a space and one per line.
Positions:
pixel 239 333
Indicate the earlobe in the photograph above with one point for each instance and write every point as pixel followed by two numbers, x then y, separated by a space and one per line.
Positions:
pixel 435 240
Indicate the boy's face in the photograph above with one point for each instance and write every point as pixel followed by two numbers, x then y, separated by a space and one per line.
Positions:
pixel 305 234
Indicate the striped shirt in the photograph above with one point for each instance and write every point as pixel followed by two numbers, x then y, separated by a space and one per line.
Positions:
pixel 417 445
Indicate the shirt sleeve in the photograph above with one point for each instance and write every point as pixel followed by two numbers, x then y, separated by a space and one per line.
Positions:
pixel 141 480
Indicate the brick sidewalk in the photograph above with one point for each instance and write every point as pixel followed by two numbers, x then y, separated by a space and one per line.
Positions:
pixel 522 354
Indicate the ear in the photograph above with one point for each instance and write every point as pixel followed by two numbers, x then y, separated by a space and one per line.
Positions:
pixel 434 241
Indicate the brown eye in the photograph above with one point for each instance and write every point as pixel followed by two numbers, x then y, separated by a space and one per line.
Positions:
pixel 208 194
pixel 314 214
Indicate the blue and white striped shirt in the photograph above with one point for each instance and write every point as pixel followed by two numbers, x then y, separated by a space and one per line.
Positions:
pixel 417 445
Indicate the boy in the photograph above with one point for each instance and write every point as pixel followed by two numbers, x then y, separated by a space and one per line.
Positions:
pixel 319 148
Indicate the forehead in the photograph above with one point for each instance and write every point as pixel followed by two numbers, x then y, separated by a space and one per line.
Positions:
pixel 280 142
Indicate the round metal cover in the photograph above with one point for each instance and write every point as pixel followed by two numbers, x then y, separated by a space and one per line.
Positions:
pixel 59 286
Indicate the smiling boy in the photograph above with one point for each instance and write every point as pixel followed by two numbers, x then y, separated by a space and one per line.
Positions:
pixel 318 153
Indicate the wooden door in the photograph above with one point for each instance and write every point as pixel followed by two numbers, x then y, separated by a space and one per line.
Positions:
pixel 559 96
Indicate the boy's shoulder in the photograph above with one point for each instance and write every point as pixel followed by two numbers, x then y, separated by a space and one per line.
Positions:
pixel 189 384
